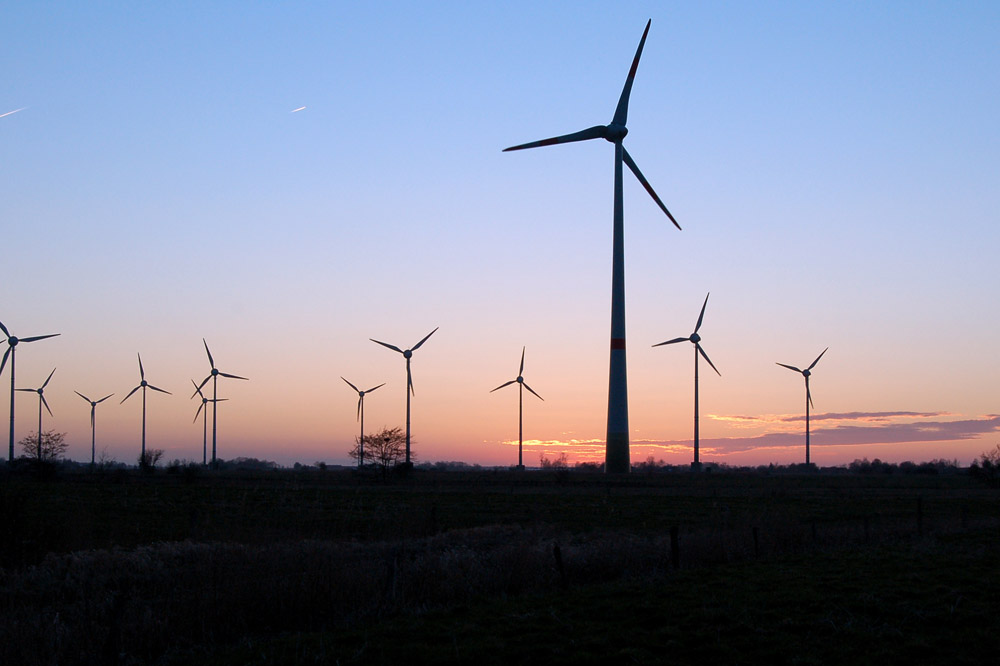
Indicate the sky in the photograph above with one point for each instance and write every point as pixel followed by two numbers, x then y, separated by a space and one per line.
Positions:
pixel 289 180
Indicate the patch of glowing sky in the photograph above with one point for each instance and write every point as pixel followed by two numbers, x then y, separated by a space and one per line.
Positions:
pixel 834 169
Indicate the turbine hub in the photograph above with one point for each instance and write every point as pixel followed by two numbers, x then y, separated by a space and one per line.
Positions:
pixel 408 353
pixel 12 341
pixel 143 383
pixel 615 133
pixel 695 338
pixel 520 379
pixel 806 373
pixel 361 394
pixel 215 371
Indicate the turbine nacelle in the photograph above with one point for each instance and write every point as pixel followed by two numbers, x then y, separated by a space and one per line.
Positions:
pixel 144 383
pixel 408 353
pixel 615 133
pixel 806 373
pixel 695 338
pixel 519 380
pixel 12 341
pixel 215 372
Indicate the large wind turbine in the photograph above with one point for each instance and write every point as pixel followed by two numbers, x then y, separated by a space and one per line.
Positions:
pixel 204 419
pixel 361 416
pixel 41 401
pixel 407 353
pixel 617 452
pixel 93 427
pixel 695 339
pixel 214 376
pixel 143 384
pixel 806 373
pixel 12 342
pixel 519 380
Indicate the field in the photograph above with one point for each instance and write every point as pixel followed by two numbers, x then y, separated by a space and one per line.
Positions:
pixel 497 567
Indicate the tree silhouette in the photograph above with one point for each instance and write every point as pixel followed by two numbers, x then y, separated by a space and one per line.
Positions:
pixel 53 446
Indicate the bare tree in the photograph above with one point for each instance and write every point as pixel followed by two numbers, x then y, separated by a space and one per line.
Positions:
pixel 53 446
pixel 148 460
pixel 383 449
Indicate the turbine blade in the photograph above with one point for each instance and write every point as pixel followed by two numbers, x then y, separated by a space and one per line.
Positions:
pixel 159 389
pixel 224 374
pixel 533 392
pixel 790 367
pixel 82 396
pixel 104 398
pixel 48 378
pixel 409 380
pixel 27 390
pixel 351 385
pixel 809 396
pixel 198 412
pixel 46 403
pixel 92 408
pixel 417 346
pixel 360 399
pixel 130 394
pixel 702 315
pixel 38 337
pixel 817 359
pixel 197 391
pixel 4 329
pixel 621 113
pixel 142 373
pixel 211 361
pixel 645 183
pixel 3 364
pixel 220 400
pixel 386 344
pixel 204 381
pixel 521 370
pixel 670 342
pixel 513 381
pixel 705 356
pixel 372 389
pixel 595 132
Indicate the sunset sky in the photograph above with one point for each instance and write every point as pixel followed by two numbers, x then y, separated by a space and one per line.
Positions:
pixel 288 180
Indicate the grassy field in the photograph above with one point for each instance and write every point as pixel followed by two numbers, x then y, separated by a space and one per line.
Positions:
pixel 495 567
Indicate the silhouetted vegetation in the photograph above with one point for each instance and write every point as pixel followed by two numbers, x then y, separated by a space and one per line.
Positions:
pixel 53 446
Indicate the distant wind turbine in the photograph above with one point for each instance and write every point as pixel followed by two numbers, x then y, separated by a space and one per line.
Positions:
pixel 204 419
pixel 214 376
pixel 806 373
pixel 93 427
pixel 12 342
pixel 41 401
pixel 695 339
pixel 407 354
pixel 617 459
pixel 361 416
pixel 519 380
pixel 143 384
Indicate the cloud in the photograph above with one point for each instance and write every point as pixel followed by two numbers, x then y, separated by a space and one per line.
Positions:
pixel 864 416
pixel 10 113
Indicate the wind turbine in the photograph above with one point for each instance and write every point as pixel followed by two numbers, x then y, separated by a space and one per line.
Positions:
pixel 143 384
pixel 407 354
pixel 519 380
pixel 806 373
pixel 93 428
pixel 695 339
pixel 204 420
pixel 361 416
pixel 617 458
pixel 214 376
pixel 41 401
pixel 12 342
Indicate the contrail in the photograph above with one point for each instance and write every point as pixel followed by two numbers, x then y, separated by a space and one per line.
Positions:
pixel 292 111
pixel 24 107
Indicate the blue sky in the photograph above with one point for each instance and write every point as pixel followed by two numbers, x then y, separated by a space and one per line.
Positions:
pixel 834 166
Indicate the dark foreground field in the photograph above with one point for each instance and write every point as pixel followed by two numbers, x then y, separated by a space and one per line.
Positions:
pixel 484 567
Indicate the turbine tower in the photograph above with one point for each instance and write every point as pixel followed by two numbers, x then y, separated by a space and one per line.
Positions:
pixel 143 384
pixel 361 416
pixel 407 354
pixel 12 342
pixel 806 373
pixel 214 376
pixel 204 419
pixel 93 429
pixel 695 339
pixel 519 380
pixel 617 458
pixel 41 401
